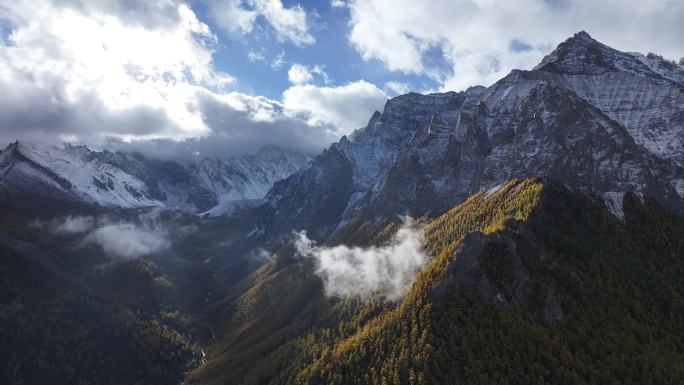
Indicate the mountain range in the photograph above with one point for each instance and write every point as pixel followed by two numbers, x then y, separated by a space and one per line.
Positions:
pixel 531 231
pixel 589 116
pixel 210 186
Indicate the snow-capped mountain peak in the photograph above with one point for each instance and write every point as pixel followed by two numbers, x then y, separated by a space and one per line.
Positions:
pixel 588 115
pixel 74 172
pixel 123 180
pixel 582 55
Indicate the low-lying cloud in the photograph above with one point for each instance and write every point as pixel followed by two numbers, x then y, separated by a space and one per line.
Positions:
pixel 128 240
pixel 348 271
pixel 71 224
pixel 142 236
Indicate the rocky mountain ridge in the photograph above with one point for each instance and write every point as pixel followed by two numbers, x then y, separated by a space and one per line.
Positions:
pixel 211 186
pixel 589 116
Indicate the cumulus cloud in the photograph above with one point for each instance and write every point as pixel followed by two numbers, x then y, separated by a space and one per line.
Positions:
pixel 396 88
pixel 348 271
pixel 467 42
pixel 149 14
pixel 309 118
pixel 240 16
pixel 232 16
pixel 86 70
pixel 302 74
pixel 299 74
pixel 344 108
pixel 113 74
pixel 243 123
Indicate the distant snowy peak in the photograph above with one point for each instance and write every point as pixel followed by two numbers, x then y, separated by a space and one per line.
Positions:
pixel 246 178
pixel 582 55
pixel 74 172
pixel 276 154
pixel 122 180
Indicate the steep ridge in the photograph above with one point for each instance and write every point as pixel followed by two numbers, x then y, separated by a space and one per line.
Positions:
pixel 71 172
pixel 528 281
pixel 128 180
pixel 429 152
pixel 645 94
pixel 339 179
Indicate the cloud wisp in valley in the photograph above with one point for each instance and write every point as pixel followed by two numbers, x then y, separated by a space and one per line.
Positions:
pixel 142 236
pixel 378 270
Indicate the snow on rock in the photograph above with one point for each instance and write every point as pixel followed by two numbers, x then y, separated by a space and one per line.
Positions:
pixel 493 190
pixel 615 203
pixel 587 116
pixel 121 180
pixel 74 171
pixel 644 93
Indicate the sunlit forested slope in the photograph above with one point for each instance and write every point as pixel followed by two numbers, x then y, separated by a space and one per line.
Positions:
pixel 527 283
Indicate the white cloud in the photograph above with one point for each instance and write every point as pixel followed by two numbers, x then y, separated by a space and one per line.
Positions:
pixel 278 61
pixel 143 235
pixel 289 23
pixel 301 74
pixel 68 225
pixel 387 270
pixel 240 124
pixel 232 16
pixel 476 40
pixel 343 108
pixel 240 16
pixel 74 72
pixel 73 224
pixel 396 88
pixel 255 56
pixel 106 73
pixel 243 123
pixel 127 240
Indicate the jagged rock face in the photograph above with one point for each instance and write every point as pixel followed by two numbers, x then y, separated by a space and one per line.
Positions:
pixel 486 267
pixel 494 268
pixel 124 180
pixel 330 177
pixel 168 182
pixel 535 129
pixel 589 116
pixel 72 173
pixel 248 177
pixel 645 94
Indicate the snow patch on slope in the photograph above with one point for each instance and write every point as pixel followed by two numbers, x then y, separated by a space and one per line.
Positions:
pixel 614 201
pixel 211 187
pixel 90 180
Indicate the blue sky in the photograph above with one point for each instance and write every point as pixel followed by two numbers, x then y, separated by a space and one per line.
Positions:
pixel 179 77
pixel 329 26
